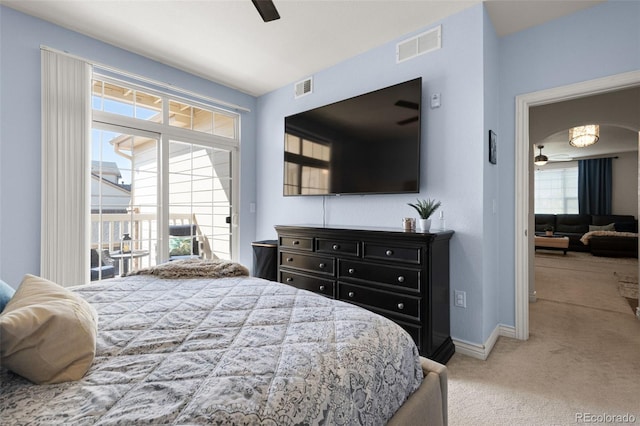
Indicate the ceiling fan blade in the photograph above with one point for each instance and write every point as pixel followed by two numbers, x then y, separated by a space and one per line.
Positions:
pixel 407 104
pixel 266 9
pixel 408 120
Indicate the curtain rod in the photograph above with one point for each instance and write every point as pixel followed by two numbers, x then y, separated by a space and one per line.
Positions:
pixel 148 80
pixel 596 158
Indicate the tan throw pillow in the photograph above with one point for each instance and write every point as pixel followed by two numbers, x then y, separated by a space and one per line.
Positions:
pixel 47 333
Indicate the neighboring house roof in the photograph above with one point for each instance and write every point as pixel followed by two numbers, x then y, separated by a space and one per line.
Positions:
pixel 124 187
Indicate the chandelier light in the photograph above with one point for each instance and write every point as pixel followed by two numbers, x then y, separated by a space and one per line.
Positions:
pixel 540 159
pixel 582 136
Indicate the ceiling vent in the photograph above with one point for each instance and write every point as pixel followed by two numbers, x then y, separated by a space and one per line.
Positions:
pixel 419 45
pixel 303 87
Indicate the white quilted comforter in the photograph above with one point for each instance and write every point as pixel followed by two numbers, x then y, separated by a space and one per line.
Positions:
pixel 239 350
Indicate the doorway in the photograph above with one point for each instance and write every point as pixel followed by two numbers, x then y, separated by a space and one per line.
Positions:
pixel 523 216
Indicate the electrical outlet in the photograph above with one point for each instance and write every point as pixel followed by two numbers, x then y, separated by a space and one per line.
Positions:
pixel 460 298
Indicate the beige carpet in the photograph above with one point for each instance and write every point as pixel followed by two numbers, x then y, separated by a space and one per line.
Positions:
pixel 584 280
pixel 583 356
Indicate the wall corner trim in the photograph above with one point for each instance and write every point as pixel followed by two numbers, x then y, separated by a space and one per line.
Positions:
pixel 482 351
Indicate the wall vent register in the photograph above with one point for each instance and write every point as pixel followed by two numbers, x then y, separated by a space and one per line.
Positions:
pixel 419 45
pixel 303 87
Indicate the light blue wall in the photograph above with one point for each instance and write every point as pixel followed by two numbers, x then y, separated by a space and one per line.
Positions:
pixel 453 151
pixel 597 42
pixel 20 39
pixel 491 194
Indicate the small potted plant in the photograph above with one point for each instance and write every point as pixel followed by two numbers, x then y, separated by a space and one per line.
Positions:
pixel 425 209
pixel 548 231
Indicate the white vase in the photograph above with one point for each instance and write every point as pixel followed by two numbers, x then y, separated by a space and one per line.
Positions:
pixel 425 225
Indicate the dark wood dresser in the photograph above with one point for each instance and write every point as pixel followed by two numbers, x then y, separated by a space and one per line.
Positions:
pixel 403 276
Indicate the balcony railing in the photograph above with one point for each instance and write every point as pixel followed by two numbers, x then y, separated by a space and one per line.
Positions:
pixel 107 230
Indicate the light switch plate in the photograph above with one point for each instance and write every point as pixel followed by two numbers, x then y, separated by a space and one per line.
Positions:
pixel 435 100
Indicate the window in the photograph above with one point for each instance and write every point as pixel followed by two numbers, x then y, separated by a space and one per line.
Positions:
pixel 117 99
pixel 306 166
pixel 160 164
pixel 556 190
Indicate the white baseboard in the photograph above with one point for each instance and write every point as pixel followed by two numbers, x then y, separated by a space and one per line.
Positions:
pixel 482 351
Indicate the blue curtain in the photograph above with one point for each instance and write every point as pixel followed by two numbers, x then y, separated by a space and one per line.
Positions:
pixel 594 186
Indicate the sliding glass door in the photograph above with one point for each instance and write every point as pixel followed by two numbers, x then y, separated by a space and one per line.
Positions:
pixel 162 171
pixel 200 194
pixel 124 200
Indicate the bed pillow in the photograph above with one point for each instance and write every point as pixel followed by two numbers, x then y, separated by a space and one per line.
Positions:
pixel 6 293
pixel 609 227
pixel 47 333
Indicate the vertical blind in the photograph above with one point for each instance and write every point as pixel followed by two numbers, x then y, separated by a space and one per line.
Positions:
pixel 66 123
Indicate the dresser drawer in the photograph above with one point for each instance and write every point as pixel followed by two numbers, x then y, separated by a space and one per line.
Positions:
pixel 297 243
pixel 389 275
pixel 375 251
pixel 318 264
pixel 331 246
pixel 305 282
pixel 385 300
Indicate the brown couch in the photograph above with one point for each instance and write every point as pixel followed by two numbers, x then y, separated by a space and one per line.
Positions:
pixel 575 226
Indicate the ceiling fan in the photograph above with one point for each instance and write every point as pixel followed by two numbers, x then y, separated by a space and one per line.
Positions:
pixel 266 9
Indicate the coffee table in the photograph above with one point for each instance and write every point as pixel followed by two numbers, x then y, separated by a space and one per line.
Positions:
pixel 552 243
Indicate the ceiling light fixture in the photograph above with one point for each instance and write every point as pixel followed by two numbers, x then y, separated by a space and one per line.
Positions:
pixel 582 136
pixel 540 159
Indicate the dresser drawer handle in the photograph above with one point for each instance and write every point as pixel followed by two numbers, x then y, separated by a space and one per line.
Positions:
pixel 400 279
pixel 289 279
pixel 321 288
pixel 322 266
pixel 351 294
pixel 389 252
pixel 289 259
pixel 296 242
pixel 352 271
pixel 336 247
pixel 401 306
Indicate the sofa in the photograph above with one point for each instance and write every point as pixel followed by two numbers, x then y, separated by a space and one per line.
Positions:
pixel 575 226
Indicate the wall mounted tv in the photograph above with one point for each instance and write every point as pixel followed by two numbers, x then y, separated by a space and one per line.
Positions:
pixel 368 144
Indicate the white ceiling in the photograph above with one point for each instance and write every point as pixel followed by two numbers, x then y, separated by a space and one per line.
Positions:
pixel 226 41
pixel 617 113
pixel 613 140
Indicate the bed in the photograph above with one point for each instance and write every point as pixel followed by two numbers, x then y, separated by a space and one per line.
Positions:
pixel 234 350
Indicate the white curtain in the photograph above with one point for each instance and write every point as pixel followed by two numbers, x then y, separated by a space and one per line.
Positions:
pixel 66 124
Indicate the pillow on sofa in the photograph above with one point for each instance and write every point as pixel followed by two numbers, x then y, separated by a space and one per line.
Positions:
pixel 6 293
pixel 47 333
pixel 626 227
pixel 609 227
pixel 179 246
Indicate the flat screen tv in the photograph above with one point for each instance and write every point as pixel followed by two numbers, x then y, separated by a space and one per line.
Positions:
pixel 368 144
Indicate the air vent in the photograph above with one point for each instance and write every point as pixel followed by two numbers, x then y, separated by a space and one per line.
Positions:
pixel 419 45
pixel 303 87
